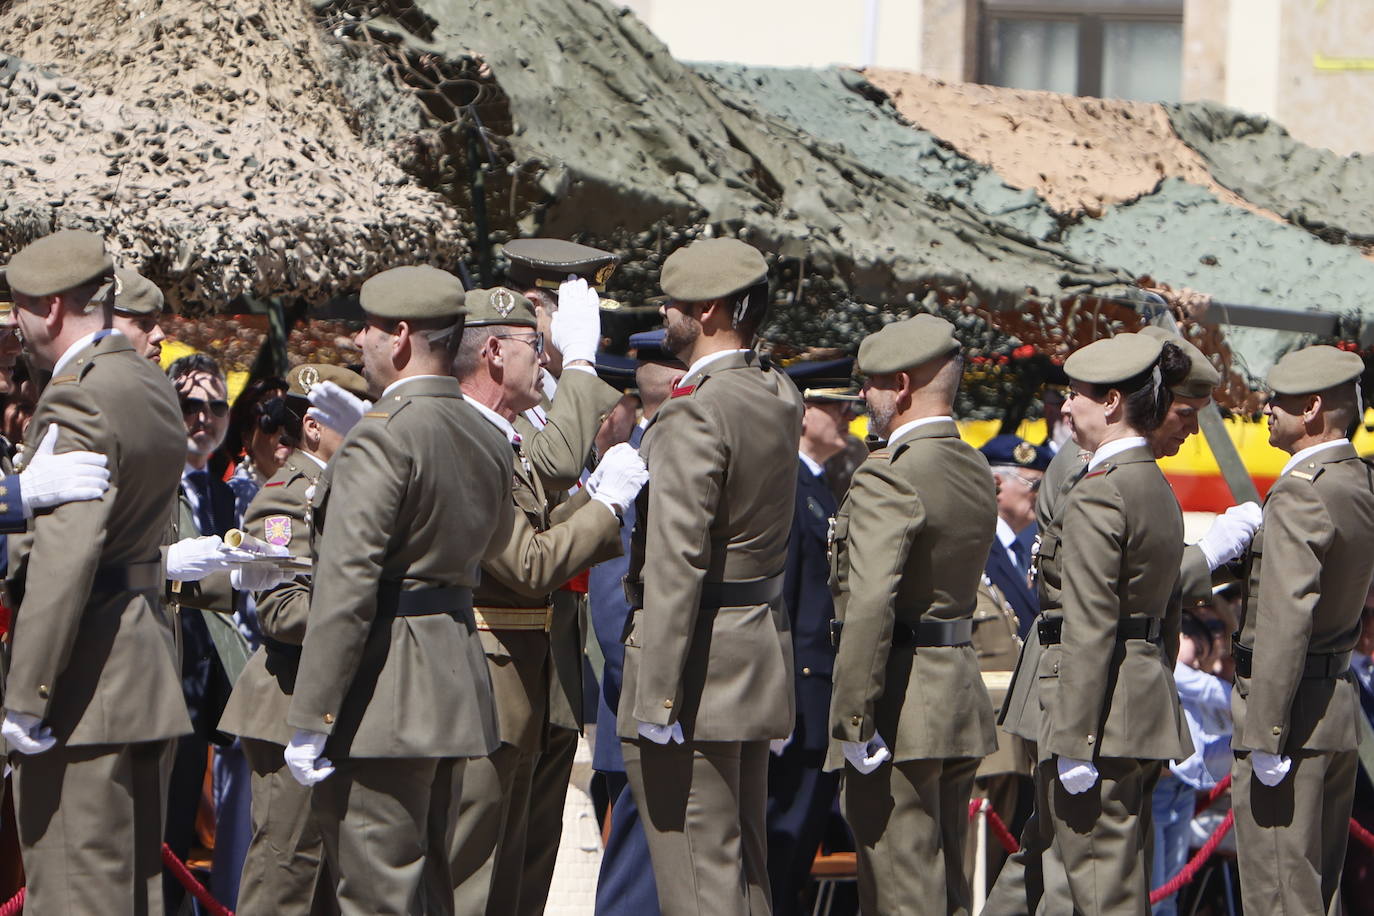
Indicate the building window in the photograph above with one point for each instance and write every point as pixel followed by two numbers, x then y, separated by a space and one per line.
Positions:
pixel 1128 49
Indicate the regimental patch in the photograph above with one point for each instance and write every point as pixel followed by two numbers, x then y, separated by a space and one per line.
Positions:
pixel 1024 452
pixel 683 390
pixel 277 529
pixel 309 377
pixel 502 301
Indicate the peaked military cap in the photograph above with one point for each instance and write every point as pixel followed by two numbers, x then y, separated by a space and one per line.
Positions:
pixel 712 269
pixel 830 380
pixel 301 379
pixel 416 292
pixel 906 344
pixel 616 370
pixel 1113 359
pixel 1202 376
pixel 135 294
pixel 59 262
pixel 547 263
pixel 1013 451
pixel 647 347
pixel 1314 369
pixel 499 305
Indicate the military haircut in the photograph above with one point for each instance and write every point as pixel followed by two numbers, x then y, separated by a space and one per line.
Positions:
pixel 194 362
pixel 1146 402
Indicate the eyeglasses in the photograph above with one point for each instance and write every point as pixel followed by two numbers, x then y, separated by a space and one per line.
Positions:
pixel 1030 483
pixel 191 406
pixel 536 340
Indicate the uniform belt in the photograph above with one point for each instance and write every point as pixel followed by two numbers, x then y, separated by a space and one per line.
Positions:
pixel 133 577
pixel 1319 665
pixel 926 634
pixel 1051 629
pixel 720 594
pixel 426 602
pixel 513 618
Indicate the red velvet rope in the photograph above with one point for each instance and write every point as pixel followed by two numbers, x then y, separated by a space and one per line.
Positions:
pixel 194 887
pixel 1188 872
pixel 1357 830
pixel 14 904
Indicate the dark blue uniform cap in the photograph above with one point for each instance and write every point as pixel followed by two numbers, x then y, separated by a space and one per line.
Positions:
pixel 830 380
pixel 1013 451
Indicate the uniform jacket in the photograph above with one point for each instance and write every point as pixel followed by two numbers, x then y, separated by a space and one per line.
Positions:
pixel 1121 547
pixel 1309 571
pixel 718 508
pixel 1014 586
pixel 810 607
pixel 414 499
pixel 100 667
pixel 995 640
pixel 909 541
pixel 262 694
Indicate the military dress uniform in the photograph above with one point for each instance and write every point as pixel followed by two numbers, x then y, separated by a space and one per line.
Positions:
pixel 1309 571
pixel 908 546
pixel 391 667
pixel 707 650
pixel 93 649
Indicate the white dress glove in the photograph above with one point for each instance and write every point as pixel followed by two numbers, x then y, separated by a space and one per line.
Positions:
pixel 1230 533
pixel 192 559
pixel 336 408
pixel 778 745
pixel 619 477
pixel 26 734
pixel 576 326
pixel 1077 776
pixel 1270 769
pixel 50 479
pixel 304 757
pixel 661 734
pixel 257 577
pixel 866 756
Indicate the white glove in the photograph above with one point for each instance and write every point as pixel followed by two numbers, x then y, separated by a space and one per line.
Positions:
pixel 866 757
pixel 1270 769
pixel 26 734
pixel 336 408
pixel 778 745
pixel 1230 533
pixel 661 734
pixel 50 479
pixel 576 326
pixel 304 760
pixel 619 477
pixel 1077 776
pixel 257 577
pixel 192 559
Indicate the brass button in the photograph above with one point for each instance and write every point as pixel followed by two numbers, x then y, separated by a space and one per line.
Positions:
pixel 806 672
pixel 1091 739
pixel 4 490
pixel 1277 730
pixel 329 718
pixel 4 507
pixel 43 691
pixel 667 704
pixel 856 720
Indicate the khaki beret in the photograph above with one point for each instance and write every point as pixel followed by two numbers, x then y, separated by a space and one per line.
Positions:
pixel 547 263
pixel 1313 369
pixel 499 306
pixel 59 262
pixel 1113 359
pixel 416 293
pixel 1202 376
pixel 307 375
pixel 906 344
pixel 711 269
pixel 135 294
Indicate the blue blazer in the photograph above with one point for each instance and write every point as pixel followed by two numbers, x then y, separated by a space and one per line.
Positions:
pixel 1012 583
pixel 806 593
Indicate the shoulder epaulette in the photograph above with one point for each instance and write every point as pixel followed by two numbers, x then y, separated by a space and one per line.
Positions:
pixel 274 483
pixel 1310 473
pixel 64 379
pixel 1101 470
pixel 377 414
pixel 682 391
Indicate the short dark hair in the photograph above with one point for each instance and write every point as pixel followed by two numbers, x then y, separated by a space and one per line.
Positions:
pixel 1146 402
pixel 194 362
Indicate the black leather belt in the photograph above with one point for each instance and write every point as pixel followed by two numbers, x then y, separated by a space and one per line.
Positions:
pixel 1051 629
pixel 926 633
pixel 720 594
pixel 283 650
pixel 135 577
pixel 427 602
pixel 1318 665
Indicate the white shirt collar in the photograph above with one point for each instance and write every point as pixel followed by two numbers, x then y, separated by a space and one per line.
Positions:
pixel 908 427
pixel 811 465
pixel 496 420
pixel 409 378
pixel 695 369
pixel 82 343
pixel 1308 452
pixel 644 422
pixel 312 458
pixel 1005 536
pixel 1115 447
pixel 190 469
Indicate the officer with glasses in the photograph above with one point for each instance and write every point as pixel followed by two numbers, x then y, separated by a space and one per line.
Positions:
pixel 1019 467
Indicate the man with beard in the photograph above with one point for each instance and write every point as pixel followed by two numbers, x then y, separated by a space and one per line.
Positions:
pixel 138 303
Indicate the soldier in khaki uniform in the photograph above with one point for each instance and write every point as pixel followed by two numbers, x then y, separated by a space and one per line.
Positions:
pixel 138 305
pixel 391 684
pixel 708 656
pixel 907 550
pixel 283 872
pixel 92 688
pixel 1295 702
pixel 498 365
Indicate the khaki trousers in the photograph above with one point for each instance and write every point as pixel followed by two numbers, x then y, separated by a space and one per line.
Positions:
pixel 703 805
pixel 910 821
pixel 544 821
pixel 90 827
pixel 489 839
pixel 1032 880
pixel 387 828
pixel 1291 838
pixel 283 872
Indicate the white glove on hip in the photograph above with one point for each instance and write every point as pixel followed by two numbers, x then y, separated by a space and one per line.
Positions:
pixel 335 407
pixel 661 734
pixel 1077 776
pixel 50 479
pixel 619 477
pixel 1230 533
pixel 257 577
pixel 576 326
pixel 1270 769
pixel 304 757
pixel 778 745
pixel 866 756
pixel 26 734
pixel 192 559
